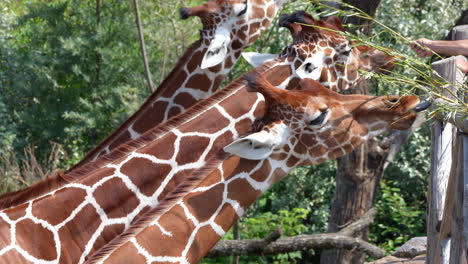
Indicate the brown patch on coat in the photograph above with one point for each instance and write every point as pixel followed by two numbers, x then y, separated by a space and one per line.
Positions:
pixel 243 126
pixel 153 115
pixel 126 252
pixel 222 141
pixel 226 217
pixel 27 232
pixel 119 205
pixel 262 173
pixel 93 178
pixel 145 174
pixel 209 125
pixel 168 142
pixel 158 244
pixel 77 233
pixel 193 147
pixel 241 191
pixel 205 239
pixel 5 234
pixel 13 256
pixel 185 100
pixel 199 81
pixel 56 208
pixel 232 109
pixel 208 201
pixel 16 212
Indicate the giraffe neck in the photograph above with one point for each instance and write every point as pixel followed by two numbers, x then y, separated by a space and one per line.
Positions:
pixel 187 230
pixel 188 227
pixel 183 87
pixel 152 167
pixel 188 82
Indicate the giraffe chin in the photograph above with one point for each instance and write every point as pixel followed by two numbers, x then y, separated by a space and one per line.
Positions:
pixel 404 122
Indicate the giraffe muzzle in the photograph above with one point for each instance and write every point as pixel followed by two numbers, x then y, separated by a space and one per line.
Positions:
pixel 297 17
pixel 423 106
pixel 184 13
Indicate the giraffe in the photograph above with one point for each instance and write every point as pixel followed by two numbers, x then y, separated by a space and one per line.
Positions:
pixel 308 51
pixel 304 126
pixel 340 60
pixel 229 26
pixel 73 221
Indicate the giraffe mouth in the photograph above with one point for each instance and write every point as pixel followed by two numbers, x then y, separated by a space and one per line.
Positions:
pixel 422 106
pixel 408 118
pixel 297 17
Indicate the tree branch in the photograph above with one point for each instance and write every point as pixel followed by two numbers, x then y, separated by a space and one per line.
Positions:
pixel 359 225
pixel 142 45
pixel 272 244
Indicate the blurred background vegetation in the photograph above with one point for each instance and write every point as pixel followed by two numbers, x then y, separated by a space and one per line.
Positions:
pixel 71 72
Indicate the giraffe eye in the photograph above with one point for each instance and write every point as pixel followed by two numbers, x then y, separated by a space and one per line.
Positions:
pixel 320 119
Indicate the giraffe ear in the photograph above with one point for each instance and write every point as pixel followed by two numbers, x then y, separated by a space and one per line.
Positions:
pixel 256 146
pixel 217 50
pixel 260 145
pixel 336 22
pixel 311 67
pixel 256 59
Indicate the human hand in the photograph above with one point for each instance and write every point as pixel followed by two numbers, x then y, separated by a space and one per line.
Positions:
pixel 418 47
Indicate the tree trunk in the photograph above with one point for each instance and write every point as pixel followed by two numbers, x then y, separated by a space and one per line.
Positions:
pixel 358 174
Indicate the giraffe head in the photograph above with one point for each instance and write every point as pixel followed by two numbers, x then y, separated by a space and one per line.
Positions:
pixel 311 124
pixel 322 53
pixel 231 25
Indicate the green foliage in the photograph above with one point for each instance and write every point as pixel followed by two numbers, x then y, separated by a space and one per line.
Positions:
pixel 397 221
pixel 313 190
pixel 73 71
pixel 259 226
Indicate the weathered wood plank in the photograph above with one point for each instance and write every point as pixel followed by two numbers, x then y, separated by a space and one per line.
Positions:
pixel 446 226
pixel 460 32
pixel 451 236
pixel 457 254
pixel 440 173
pixel 465 192
pixel 441 160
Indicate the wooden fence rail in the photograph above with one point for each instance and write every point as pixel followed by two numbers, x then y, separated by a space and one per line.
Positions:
pixel 447 225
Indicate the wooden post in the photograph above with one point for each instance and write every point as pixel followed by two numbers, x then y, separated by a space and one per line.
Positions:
pixel 447 227
pixel 465 195
pixel 460 213
pixel 457 252
pixel 442 136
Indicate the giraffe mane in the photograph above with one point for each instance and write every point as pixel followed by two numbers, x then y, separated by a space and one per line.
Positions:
pixel 57 180
pixel 169 201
